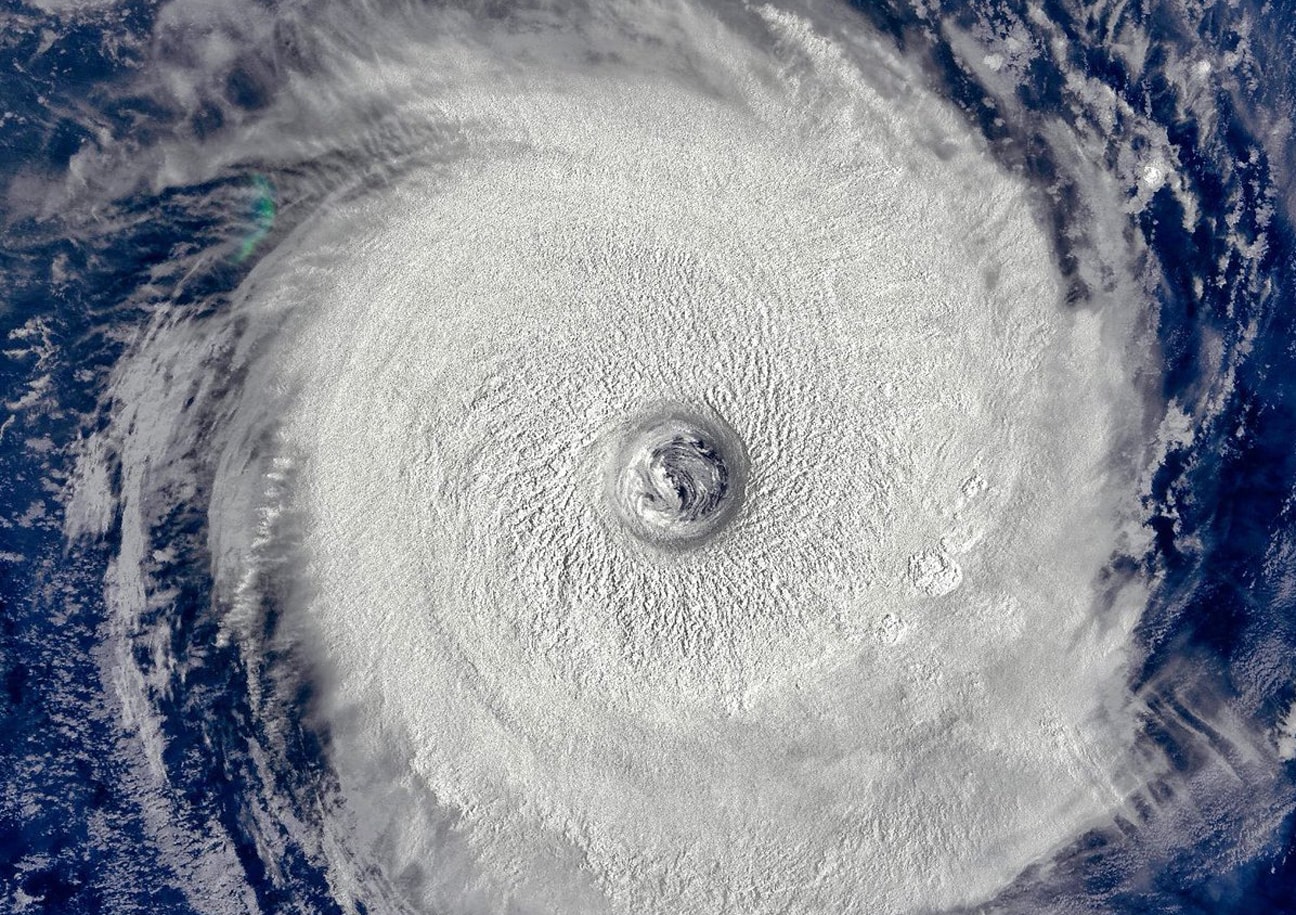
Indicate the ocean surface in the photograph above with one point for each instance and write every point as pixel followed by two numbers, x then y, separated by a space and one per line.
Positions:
pixel 647 457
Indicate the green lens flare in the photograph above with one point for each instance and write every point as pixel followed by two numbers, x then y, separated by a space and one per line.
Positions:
pixel 263 217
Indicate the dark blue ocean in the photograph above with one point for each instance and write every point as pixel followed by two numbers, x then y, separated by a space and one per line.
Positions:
pixel 142 767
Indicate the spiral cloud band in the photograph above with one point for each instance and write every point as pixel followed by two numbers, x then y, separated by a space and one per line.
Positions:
pixel 701 491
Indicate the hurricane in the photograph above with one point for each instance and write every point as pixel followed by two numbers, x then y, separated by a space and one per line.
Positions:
pixel 648 457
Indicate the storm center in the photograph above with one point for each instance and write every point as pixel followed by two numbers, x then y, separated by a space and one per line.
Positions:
pixel 677 477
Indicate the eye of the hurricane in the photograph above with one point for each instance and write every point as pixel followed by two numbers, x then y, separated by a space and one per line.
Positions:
pixel 685 481
pixel 677 478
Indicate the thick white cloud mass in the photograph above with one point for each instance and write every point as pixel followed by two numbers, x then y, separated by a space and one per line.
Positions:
pixel 889 682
